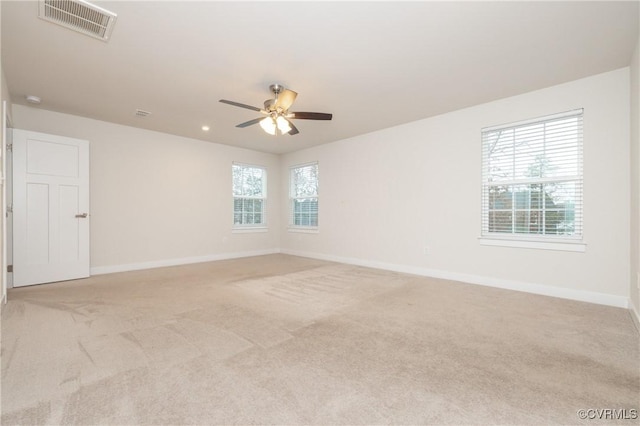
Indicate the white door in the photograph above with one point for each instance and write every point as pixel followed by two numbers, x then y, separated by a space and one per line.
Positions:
pixel 50 208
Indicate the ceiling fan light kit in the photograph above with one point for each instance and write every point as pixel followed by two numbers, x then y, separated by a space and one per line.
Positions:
pixel 278 117
pixel 268 125
pixel 283 124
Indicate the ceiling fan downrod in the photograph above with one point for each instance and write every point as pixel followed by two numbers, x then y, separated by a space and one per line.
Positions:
pixel 276 89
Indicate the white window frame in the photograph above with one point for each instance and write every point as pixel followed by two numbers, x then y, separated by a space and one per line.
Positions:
pixel 543 241
pixel 292 198
pixel 252 227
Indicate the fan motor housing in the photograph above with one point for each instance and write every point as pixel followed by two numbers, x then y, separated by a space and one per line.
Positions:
pixel 268 104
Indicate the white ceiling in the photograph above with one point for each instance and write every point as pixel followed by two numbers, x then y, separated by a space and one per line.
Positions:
pixel 372 64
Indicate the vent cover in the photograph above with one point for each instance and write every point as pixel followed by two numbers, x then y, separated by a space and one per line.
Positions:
pixel 80 16
pixel 142 113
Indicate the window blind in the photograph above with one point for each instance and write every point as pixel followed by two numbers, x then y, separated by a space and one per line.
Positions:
pixel 532 178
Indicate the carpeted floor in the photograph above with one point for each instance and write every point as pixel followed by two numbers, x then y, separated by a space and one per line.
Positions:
pixel 287 340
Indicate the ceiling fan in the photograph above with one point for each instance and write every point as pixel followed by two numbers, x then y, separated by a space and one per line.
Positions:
pixel 278 117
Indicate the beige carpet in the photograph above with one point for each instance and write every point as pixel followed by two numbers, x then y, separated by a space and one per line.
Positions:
pixel 286 340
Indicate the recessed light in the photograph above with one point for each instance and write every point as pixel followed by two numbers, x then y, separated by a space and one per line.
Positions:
pixel 33 99
pixel 205 128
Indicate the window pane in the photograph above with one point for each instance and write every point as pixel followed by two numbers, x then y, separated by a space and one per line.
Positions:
pixel 237 180
pixel 528 222
pixel 253 182
pixel 500 221
pixel 305 181
pixel 248 181
pixel 528 196
pixel 305 212
pixel 529 146
pixel 499 152
pixel 563 141
pixel 499 197
pixel 257 206
pixel 248 211
pixel 561 194
pixel 553 218
pixel 555 201
pixel 562 199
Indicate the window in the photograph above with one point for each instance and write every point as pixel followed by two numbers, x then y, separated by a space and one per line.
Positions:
pixel 532 179
pixel 303 196
pixel 249 196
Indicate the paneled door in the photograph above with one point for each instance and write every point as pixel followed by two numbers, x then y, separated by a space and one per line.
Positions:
pixel 50 208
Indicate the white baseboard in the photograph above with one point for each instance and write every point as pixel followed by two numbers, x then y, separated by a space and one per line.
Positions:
pixel 546 290
pixel 99 270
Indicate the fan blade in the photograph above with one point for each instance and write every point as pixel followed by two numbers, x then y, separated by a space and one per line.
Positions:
pixel 285 99
pixel 310 115
pixel 250 122
pixel 238 104
pixel 294 130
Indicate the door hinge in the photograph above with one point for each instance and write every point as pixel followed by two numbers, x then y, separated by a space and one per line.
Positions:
pixel 9 268
pixel 10 209
pixel 10 147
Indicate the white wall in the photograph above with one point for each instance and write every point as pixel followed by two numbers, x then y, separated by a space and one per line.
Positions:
pixel 159 199
pixel 4 89
pixel 634 291
pixel 386 195
pixel 4 92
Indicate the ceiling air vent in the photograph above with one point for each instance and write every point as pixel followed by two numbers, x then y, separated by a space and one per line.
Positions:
pixel 142 113
pixel 80 16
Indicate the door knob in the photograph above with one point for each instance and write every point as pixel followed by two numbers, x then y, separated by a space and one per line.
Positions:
pixel 82 216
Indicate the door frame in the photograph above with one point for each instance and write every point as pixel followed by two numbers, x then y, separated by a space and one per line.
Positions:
pixel 5 216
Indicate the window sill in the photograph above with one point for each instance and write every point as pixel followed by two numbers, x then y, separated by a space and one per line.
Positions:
pixel 303 230
pixel 249 230
pixel 540 245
